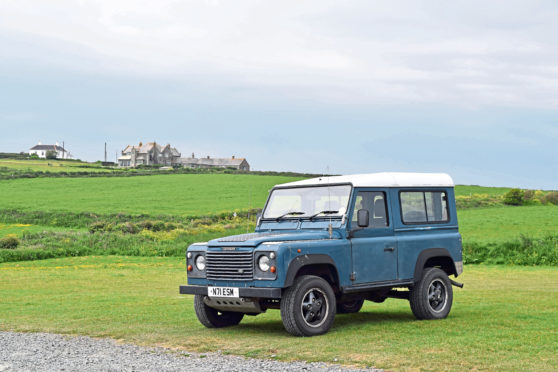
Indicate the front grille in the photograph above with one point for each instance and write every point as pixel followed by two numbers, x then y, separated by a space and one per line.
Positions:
pixel 225 265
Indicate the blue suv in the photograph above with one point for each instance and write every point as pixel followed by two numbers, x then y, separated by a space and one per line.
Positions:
pixel 325 245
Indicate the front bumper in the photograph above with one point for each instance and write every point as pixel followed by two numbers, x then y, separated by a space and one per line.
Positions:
pixel 242 292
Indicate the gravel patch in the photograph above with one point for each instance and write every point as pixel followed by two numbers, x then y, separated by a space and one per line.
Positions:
pixel 50 352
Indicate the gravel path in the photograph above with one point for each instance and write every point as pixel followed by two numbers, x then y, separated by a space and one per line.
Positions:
pixel 49 352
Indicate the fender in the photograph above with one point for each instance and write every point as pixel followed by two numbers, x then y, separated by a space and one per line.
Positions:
pixel 304 260
pixel 426 255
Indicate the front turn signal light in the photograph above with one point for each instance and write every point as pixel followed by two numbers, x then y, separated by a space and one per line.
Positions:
pixel 189 267
pixel 272 269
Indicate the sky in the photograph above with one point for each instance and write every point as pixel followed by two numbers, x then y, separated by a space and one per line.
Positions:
pixel 469 88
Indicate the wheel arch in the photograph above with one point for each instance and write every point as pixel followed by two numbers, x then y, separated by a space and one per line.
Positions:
pixel 434 257
pixel 320 265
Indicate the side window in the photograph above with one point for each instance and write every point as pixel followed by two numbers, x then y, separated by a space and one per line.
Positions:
pixel 423 206
pixel 375 203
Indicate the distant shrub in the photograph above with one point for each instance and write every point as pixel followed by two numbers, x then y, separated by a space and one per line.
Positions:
pixel 146 225
pixel 158 226
pixel 551 197
pixel 9 242
pixel 169 226
pixel 34 156
pixel 98 226
pixel 128 228
pixel 528 194
pixel 514 197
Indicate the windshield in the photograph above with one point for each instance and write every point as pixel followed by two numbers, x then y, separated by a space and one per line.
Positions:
pixel 308 202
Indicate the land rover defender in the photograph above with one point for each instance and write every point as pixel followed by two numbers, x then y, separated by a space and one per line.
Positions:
pixel 323 246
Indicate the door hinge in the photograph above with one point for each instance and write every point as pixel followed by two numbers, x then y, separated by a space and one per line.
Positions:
pixel 352 276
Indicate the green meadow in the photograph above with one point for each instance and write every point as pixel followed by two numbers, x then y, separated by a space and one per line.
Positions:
pixel 173 194
pixel 54 166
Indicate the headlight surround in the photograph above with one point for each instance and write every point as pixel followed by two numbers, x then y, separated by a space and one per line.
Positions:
pixel 200 262
pixel 263 263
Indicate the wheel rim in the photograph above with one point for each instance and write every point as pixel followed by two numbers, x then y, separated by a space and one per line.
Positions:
pixel 437 295
pixel 314 307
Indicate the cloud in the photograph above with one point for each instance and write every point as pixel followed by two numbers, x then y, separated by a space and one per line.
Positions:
pixel 462 53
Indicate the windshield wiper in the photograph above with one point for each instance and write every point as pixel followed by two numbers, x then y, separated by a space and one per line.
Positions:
pixel 322 212
pixel 293 213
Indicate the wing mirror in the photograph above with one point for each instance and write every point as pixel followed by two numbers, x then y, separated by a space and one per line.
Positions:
pixel 363 217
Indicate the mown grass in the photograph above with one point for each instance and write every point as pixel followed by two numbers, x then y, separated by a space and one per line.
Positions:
pixel 504 318
pixel 177 194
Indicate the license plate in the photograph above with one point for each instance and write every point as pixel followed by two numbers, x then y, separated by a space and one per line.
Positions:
pixel 222 292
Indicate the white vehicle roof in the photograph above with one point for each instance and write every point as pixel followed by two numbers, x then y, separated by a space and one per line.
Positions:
pixel 385 179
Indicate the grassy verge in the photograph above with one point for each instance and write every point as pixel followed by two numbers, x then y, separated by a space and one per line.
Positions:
pixel 504 318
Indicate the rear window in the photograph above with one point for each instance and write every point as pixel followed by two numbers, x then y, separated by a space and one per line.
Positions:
pixel 424 206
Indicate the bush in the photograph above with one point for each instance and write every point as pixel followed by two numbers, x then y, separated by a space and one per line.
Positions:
pixel 34 156
pixel 514 197
pixel 128 228
pixel 51 154
pixel 9 242
pixel 98 226
pixel 158 226
pixel 146 225
pixel 551 197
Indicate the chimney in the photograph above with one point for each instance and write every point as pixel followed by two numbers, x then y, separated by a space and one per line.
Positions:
pixel 208 156
pixel 233 157
pixel 193 157
pixel 40 143
pixel 140 144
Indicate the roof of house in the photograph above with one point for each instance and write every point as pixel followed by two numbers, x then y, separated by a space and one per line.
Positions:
pixel 144 148
pixel 218 162
pixel 385 179
pixel 48 147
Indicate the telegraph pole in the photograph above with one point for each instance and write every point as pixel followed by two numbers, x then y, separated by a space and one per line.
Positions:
pixel 105 152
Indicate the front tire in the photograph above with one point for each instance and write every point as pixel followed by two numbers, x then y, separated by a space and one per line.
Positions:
pixel 213 318
pixel 432 296
pixel 308 306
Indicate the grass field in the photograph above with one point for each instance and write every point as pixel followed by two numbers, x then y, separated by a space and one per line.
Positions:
pixel 177 194
pixel 504 318
pixel 43 165
pixel 506 223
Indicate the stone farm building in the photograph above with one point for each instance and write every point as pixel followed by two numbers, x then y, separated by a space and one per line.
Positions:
pixel 149 154
pixel 41 151
pixel 208 162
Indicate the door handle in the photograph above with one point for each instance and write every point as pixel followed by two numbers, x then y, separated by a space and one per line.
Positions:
pixel 389 249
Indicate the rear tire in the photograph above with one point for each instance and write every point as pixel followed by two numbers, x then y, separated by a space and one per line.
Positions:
pixel 308 306
pixel 213 318
pixel 350 307
pixel 432 296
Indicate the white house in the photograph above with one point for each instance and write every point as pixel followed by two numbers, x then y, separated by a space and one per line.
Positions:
pixel 41 151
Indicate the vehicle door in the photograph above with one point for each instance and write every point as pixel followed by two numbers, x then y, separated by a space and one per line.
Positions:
pixel 373 247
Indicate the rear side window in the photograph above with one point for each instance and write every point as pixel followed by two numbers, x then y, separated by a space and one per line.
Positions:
pixel 423 206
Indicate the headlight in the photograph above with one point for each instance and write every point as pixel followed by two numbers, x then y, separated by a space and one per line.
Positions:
pixel 200 262
pixel 263 263
pixel 189 255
